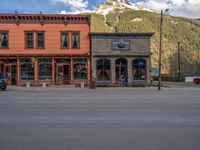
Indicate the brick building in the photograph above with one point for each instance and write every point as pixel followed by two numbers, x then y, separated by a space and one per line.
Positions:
pixel 121 59
pixel 40 47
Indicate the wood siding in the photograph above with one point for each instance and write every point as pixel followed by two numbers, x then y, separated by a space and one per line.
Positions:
pixel 52 39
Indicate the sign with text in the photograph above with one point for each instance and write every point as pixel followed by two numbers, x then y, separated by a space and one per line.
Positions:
pixel 121 45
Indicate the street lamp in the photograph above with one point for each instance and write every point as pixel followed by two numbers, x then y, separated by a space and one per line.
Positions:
pixel 160 50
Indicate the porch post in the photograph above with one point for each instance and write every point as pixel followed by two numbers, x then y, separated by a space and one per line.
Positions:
pixel 1 69
pixel 89 70
pixel 93 67
pixel 130 71
pixel 18 71
pixel 36 72
pixel 148 71
pixel 71 70
pixel 53 71
pixel 113 72
pixel 4 68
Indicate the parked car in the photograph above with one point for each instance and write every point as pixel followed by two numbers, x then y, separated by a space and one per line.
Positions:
pixel 3 83
pixel 196 80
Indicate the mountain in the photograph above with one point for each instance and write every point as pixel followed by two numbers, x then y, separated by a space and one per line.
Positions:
pixel 123 16
pixel 111 5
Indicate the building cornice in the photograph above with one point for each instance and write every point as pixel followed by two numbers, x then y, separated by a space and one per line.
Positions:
pixel 44 19
pixel 121 34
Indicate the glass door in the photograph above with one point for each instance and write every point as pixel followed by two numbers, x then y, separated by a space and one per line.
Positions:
pixel 63 74
pixel 59 74
pixel 11 74
pixel 66 74
pixel 121 73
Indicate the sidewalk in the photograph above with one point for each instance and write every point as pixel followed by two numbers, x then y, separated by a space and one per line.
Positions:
pixel 54 87
pixel 73 88
pixel 177 84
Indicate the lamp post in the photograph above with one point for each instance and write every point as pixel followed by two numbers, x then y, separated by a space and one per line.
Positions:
pixel 160 49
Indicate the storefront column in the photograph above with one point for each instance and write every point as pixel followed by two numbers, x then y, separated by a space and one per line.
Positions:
pixel 148 70
pixel 113 72
pixel 89 70
pixel 93 67
pixel 4 68
pixel 53 71
pixel 18 71
pixel 1 68
pixel 36 72
pixel 130 67
pixel 71 70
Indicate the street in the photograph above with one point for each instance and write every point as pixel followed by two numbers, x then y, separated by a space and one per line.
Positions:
pixel 101 119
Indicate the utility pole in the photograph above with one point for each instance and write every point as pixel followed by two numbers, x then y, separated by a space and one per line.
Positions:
pixel 160 51
pixel 179 62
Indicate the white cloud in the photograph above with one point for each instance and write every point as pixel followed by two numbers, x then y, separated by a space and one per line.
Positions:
pixel 75 5
pixel 186 8
pixel 74 12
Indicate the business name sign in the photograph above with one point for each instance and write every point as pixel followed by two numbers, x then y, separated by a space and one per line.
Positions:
pixel 121 45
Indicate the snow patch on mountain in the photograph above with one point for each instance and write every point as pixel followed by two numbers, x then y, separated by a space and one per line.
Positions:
pixel 104 11
pixel 110 5
pixel 136 20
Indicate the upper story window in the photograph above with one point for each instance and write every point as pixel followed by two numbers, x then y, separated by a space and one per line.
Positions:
pixel 40 39
pixel 75 40
pixel 64 40
pixel 3 39
pixel 29 39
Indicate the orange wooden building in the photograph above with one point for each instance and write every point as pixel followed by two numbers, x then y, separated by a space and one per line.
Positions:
pixel 38 48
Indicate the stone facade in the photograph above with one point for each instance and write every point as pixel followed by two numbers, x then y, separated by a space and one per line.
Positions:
pixel 135 49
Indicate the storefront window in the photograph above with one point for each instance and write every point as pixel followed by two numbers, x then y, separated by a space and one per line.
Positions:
pixel 139 69
pixel 45 69
pixel 103 69
pixel 26 69
pixel 80 69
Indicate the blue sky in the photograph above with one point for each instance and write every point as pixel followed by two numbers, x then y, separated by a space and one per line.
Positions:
pixel 35 6
pixel 186 8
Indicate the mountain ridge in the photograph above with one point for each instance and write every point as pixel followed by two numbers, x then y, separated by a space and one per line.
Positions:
pixel 111 5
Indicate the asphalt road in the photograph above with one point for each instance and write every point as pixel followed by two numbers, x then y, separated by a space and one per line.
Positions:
pixel 101 119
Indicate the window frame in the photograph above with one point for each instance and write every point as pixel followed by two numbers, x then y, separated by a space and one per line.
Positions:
pixel 105 63
pixel 25 33
pixel 27 62
pixel 61 33
pixel 138 72
pixel 37 32
pixel 5 31
pixel 83 62
pixel 79 43
pixel 45 62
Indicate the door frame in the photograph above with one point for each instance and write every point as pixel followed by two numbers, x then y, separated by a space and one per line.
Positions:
pixel 62 80
pixel 11 73
pixel 123 80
